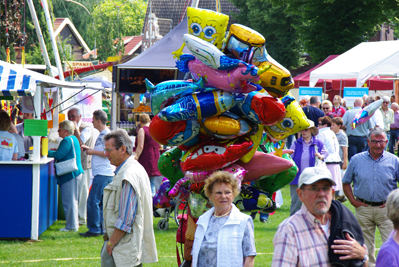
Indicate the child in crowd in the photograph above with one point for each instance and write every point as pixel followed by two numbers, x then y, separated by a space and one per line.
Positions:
pixel 339 129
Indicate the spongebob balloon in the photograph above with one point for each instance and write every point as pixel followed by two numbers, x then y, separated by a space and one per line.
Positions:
pixel 207 25
pixel 294 121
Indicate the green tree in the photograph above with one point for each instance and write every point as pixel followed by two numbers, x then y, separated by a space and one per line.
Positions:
pixel 334 26
pixel 80 15
pixel 10 25
pixel 112 22
pixel 275 25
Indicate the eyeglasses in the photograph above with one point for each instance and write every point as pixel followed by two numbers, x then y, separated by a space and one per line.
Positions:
pixel 315 189
pixel 375 142
pixel 326 108
pixel 385 102
pixel 226 193
pixel 108 150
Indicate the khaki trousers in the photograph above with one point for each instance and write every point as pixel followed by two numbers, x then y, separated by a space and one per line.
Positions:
pixel 369 217
pixel 83 194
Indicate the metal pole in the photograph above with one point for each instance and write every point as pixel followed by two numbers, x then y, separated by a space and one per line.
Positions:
pixel 53 43
pixel 194 3
pixel 40 36
pixel 340 87
pixel 56 56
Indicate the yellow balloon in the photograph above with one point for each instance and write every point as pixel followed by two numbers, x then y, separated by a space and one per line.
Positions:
pixel 294 121
pixel 276 79
pixel 223 125
pixel 256 138
pixel 207 25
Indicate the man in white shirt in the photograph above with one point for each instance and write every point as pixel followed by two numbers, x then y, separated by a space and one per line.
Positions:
pixel 103 173
pixel 84 134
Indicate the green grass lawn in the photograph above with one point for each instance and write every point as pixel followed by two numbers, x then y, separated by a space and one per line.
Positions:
pixel 69 249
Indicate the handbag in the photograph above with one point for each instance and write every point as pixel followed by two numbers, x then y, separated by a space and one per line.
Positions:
pixel 66 166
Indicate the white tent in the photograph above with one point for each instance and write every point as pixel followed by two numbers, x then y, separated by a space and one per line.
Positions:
pixel 361 62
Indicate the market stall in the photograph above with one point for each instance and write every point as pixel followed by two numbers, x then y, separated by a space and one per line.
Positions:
pixel 156 64
pixel 29 194
pixel 366 60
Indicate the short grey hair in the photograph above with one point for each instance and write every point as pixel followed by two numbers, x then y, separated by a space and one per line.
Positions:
pixel 393 207
pixel 386 99
pixel 121 138
pixel 394 104
pixel 376 131
pixel 100 115
pixel 69 126
pixel 77 110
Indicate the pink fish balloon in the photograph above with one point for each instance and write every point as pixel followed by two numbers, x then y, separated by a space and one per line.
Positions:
pixel 234 80
pixel 263 164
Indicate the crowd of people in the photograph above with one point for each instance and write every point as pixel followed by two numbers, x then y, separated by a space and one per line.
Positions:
pixel 335 163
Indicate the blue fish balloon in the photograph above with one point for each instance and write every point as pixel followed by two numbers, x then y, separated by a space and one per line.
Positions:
pixel 166 93
pixel 198 106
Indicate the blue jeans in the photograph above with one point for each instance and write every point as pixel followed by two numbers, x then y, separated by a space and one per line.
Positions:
pixel 154 186
pixel 357 144
pixel 388 137
pixel 263 216
pixel 392 140
pixel 95 203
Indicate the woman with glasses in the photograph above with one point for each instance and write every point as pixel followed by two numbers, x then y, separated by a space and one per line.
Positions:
pixel 69 148
pixel 224 236
pixel 326 105
pixel 337 109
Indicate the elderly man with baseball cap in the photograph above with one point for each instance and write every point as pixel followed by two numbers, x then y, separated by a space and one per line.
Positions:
pixel 323 232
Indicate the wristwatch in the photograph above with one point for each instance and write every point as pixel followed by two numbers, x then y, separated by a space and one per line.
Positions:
pixel 366 258
pixel 110 244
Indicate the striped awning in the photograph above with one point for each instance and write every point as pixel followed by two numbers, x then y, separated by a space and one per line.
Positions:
pixel 18 81
pixel 14 84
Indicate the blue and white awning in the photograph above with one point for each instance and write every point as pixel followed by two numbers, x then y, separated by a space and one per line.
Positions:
pixel 18 81
pixel 14 84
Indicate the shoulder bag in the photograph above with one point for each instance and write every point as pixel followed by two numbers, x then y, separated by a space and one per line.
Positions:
pixel 66 166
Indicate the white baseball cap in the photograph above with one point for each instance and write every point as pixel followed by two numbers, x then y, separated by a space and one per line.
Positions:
pixel 311 175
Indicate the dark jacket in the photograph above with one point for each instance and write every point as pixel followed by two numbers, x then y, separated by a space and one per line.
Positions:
pixel 343 221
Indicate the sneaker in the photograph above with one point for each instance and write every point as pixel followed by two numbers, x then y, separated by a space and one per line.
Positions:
pixel 89 234
pixel 263 221
pixel 342 199
pixel 68 230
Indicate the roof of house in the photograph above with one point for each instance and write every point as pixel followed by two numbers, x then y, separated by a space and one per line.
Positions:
pixel 61 23
pixel 175 11
pixel 132 44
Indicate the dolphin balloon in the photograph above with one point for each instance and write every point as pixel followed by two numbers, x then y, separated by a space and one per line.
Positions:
pixel 365 114
pixel 165 93
pixel 232 80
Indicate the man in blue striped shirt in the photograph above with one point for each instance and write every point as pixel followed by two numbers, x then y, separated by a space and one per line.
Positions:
pixel 374 174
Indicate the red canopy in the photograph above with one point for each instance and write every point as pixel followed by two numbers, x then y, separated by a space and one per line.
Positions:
pixel 302 80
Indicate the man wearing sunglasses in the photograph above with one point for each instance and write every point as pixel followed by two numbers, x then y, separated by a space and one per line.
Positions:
pixel 374 174
pixel 323 232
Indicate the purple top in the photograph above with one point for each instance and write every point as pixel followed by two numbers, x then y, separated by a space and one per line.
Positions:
pixel 389 254
pixel 396 119
pixel 304 158
pixel 150 155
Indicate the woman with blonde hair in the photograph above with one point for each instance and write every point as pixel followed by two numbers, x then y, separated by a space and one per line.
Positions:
pixel 69 148
pixel 326 105
pixel 224 236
